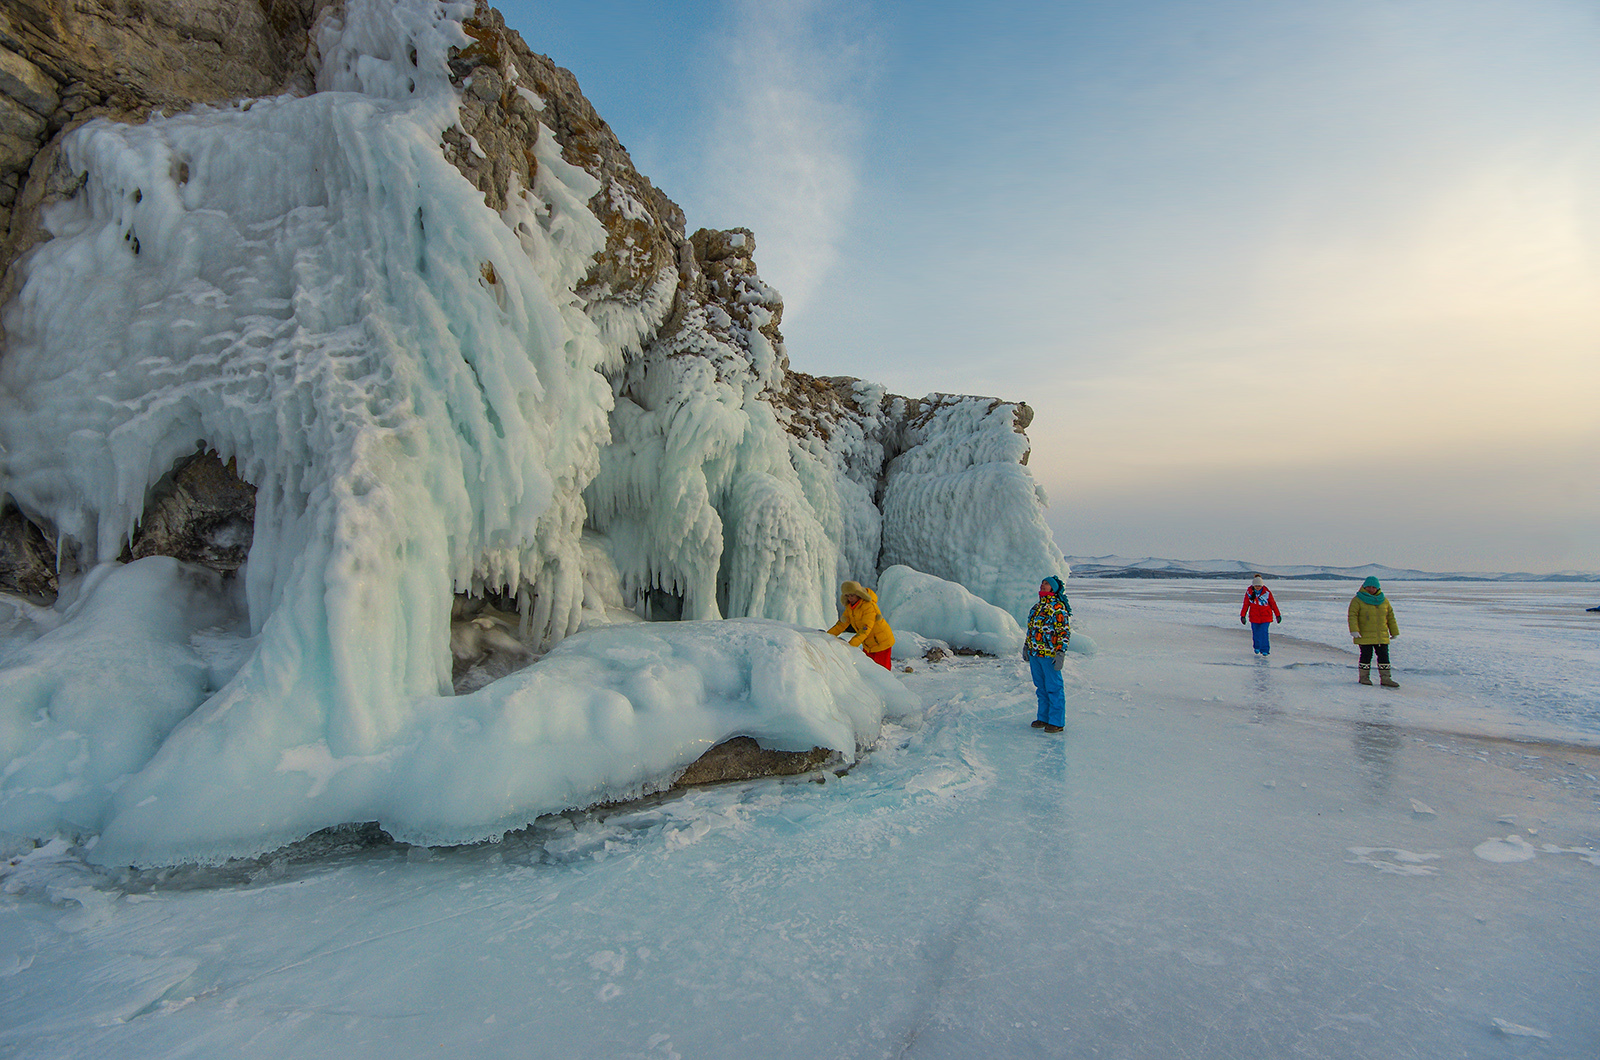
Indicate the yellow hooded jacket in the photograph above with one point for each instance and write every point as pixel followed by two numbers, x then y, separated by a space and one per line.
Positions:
pixel 872 633
pixel 1372 623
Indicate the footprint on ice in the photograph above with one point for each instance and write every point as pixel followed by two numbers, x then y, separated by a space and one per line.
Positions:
pixel 1511 849
pixel 1393 860
pixel 608 962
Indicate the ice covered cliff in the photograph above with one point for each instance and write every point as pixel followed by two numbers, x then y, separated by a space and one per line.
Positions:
pixel 389 336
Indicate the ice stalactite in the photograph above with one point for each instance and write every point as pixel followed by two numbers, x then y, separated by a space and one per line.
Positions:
pixel 441 382
pixel 307 287
pixel 704 498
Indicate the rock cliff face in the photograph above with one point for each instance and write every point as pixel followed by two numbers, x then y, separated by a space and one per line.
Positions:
pixel 686 316
pixel 63 62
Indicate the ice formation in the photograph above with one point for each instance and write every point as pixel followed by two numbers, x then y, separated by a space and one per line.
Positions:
pixel 432 396
pixel 913 602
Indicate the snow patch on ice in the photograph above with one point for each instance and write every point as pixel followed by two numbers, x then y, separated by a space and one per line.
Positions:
pixel 1585 854
pixel 1393 860
pixel 1507 851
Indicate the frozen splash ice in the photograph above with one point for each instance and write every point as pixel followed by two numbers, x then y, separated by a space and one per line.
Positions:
pixel 307 287
pixel 919 603
pixel 425 406
pixel 959 504
pixel 608 715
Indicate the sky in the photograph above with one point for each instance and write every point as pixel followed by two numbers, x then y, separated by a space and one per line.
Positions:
pixel 1285 282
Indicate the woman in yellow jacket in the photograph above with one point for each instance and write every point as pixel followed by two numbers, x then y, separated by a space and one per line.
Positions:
pixel 861 616
pixel 1371 625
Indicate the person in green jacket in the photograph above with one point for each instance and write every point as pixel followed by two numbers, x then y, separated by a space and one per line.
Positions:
pixel 1371 625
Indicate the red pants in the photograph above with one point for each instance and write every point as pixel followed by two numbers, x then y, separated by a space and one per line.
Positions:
pixel 880 657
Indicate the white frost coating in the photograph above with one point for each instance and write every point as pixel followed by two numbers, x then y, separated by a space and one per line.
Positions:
pixel 710 507
pixel 308 287
pixel 607 715
pixel 84 706
pixel 913 602
pixel 856 449
pixel 625 324
pixel 390 49
pixel 959 505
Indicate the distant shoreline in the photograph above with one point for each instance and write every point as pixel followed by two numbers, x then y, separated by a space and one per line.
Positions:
pixel 1164 569
pixel 1124 572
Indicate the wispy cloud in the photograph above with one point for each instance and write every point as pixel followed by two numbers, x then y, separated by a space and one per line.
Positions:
pixel 783 151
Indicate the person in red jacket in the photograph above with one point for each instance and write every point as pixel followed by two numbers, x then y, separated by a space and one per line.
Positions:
pixel 1259 610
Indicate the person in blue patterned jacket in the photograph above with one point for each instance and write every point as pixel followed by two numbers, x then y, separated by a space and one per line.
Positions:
pixel 1049 630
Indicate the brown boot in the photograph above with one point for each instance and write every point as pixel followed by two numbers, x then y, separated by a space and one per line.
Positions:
pixel 1366 675
pixel 1383 677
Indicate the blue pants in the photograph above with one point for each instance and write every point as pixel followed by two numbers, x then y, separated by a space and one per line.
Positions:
pixel 1047 685
pixel 1258 634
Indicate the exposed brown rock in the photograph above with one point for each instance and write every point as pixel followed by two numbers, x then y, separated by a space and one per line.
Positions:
pixel 644 229
pixel 200 513
pixel 741 758
pixel 27 557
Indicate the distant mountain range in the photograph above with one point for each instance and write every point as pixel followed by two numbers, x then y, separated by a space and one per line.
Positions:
pixel 1121 567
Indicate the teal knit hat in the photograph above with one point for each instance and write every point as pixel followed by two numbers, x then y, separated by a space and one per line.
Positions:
pixel 1371 583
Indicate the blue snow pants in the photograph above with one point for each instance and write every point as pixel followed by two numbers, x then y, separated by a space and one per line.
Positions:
pixel 1258 634
pixel 1047 685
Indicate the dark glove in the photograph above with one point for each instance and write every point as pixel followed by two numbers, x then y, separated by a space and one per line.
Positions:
pixel 1061 658
pixel 1280 620
pixel 1242 622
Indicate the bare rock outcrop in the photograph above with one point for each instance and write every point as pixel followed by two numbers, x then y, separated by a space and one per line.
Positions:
pixel 741 758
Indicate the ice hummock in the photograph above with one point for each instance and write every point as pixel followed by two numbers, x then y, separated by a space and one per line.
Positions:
pixel 935 609
pixel 99 722
pixel 425 406
pixel 607 715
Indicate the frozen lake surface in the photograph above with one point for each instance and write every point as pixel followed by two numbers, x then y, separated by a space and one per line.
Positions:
pixel 1220 857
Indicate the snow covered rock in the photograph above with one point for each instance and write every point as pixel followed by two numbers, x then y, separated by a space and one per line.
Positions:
pixel 935 609
pixel 608 715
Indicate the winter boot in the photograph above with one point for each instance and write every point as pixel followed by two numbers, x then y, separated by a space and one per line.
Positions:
pixel 1366 675
pixel 1383 677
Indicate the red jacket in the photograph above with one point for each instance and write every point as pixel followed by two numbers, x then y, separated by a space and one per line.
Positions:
pixel 1259 605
